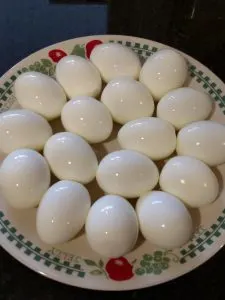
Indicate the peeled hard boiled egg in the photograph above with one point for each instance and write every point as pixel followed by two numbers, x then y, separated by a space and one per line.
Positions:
pixel 78 76
pixel 21 128
pixel 70 157
pixel 127 99
pixel 153 137
pixel 190 180
pixel 115 60
pixel 112 226
pixel 163 71
pixel 40 93
pixel 62 212
pixel 24 178
pixel 183 106
pixel 127 173
pixel 164 220
pixel 88 118
pixel 204 140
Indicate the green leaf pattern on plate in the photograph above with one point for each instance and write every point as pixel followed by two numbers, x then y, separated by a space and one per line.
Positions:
pixel 47 67
pixel 78 50
pixel 44 66
pixel 90 262
pixel 99 267
pixel 96 272
pixel 155 263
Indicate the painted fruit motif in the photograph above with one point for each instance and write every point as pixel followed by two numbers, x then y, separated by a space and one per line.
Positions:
pixel 119 269
pixel 90 46
pixel 56 54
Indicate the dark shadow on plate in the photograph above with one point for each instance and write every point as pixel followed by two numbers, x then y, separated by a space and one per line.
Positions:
pixel 140 241
pixel 94 190
pixel 113 135
pixel 80 233
pixel 2 156
pixel 196 218
pixel 132 201
pixel 100 151
pixel 161 163
pixel 187 80
pixel 54 179
pixel 154 114
pixel 213 109
pixel 219 178
pixel 142 59
pixel 171 155
pixel 57 126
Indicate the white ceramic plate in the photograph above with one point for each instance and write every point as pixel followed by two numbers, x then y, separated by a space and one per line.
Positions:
pixel 75 263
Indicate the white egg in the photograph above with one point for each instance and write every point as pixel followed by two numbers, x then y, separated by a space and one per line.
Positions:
pixel 163 71
pixel 115 60
pixel 164 220
pixel 71 157
pixel 190 180
pixel 24 178
pixel 204 140
pixel 153 137
pixel 62 212
pixel 127 173
pixel 184 106
pixel 112 226
pixel 127 99
pixel 78 76
pixel 88 118
pixel 40 93
pixel 21 128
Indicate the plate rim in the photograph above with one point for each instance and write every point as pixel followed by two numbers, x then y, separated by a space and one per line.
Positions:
pixel 8 246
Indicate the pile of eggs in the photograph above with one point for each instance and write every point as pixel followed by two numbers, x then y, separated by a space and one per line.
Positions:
pixel 147 144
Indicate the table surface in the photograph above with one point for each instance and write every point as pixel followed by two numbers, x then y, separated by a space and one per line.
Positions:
pixel 196 27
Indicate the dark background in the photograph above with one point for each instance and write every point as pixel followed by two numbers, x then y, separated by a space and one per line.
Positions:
pixel 196 27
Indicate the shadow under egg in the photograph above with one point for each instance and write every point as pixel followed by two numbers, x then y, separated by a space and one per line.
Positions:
pixel 2 156
pixel 132 202
pixel 57 126
pixel 142 60
pixel 109 145
pixel 54 179
pixel 100 151
pixel 94 190
pixel 140 241
pixel 161 163
pixel 219 177
pixel 188 79
pixel 196 218
pixel 213 110
pixel 114 133
pixel 78 235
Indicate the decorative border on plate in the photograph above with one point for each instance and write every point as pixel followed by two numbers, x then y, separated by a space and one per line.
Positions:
pixel 6 92
pixel 148 266
pixel 204 240
pixel 211 87
pixel 44 66
pixel 199 244
pixel 35 252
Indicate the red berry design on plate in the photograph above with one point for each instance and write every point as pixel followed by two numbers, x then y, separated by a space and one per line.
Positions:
pixel 57 54
pixel 90 46
pixel 119 269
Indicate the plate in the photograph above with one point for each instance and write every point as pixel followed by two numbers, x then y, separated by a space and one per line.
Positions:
pixel 74 262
